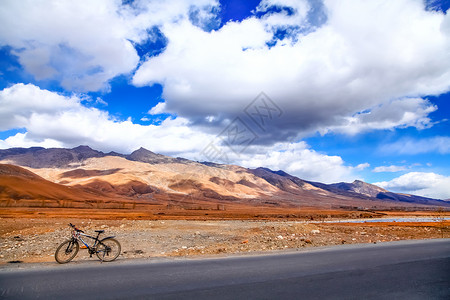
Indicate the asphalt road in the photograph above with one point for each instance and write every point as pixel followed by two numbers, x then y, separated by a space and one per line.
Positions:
pixel 399 270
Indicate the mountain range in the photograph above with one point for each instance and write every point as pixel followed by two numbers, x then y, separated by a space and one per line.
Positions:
pixel 84 177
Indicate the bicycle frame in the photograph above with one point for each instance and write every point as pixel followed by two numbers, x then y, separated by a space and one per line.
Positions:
pixel 78 236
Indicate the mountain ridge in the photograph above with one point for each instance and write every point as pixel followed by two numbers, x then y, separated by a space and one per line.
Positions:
pixel 144 173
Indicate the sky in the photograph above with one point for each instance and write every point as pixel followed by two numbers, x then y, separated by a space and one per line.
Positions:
pixel 328 90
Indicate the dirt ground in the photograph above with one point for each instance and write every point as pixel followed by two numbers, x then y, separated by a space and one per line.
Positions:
pixel 35 240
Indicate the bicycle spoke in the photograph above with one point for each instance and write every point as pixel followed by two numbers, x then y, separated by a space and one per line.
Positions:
pixel 108 250
pixel 66 251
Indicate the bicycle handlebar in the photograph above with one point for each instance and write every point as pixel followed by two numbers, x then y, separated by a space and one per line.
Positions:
pixel 76 229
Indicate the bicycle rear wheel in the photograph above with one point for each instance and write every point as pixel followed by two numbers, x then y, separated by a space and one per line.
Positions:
pixel 66 251
pixel 108 249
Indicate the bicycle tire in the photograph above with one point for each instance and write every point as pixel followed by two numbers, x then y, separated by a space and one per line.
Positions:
pixel 66 251
pixel 108 249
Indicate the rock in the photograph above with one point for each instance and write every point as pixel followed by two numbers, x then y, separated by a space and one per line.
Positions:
pixel 315 231
pixel 280 237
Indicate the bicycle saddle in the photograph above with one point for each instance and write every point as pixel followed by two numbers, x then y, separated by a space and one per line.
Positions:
pixel 100 231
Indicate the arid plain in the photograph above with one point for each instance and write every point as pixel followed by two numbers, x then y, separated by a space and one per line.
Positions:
pixel 162 206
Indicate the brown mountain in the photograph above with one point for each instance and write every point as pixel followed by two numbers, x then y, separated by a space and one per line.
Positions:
pixel 360 187
pixel 147 156
pixel 17 183
pixel 154 179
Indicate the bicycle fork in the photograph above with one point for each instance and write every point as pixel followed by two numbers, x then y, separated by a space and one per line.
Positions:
pixel 70 246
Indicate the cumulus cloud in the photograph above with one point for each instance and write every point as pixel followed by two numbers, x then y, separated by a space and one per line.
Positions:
pixel 420 183
pixel 400 113
pixel 20 102
pixel 391 168
pixel 157 109
pixel 293 13
pixel 84 44
pixel 438 144
pixel 82 48
pixel 21 140
pixel 365 68
pixel 51 119
pixel 348 66
pixel 300 160
pixel 362 166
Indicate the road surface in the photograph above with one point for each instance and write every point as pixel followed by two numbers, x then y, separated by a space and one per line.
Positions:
pixel 398 270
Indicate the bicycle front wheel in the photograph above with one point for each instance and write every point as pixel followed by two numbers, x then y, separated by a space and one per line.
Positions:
pixel 66 251
pixel 108 249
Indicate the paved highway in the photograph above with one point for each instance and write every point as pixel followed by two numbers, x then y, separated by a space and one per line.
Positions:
pixel 399 270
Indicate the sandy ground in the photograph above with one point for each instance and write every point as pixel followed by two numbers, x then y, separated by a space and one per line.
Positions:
pixel 35 240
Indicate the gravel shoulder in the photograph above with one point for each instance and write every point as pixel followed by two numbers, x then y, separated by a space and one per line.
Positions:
pixel 35 240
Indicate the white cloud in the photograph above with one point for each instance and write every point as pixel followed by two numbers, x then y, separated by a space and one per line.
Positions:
pixel 299 160
pixel 362 166
pixel 372 56
pixel 400 113
pixel 420 183
pixel 20 102
pixel 83 44
pixel 99 100
pixel 20 140
pixel 390 168
pixel 51 120
pixel 300 9
pixel 438 144
pixel 378 56
pixel 158 109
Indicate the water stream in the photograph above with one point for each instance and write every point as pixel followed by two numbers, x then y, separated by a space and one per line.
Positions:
pixel 385 220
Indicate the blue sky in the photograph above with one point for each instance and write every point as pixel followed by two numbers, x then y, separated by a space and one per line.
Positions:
pixel 326 90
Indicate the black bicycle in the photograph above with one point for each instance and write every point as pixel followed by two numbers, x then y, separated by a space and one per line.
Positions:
pixel 106 249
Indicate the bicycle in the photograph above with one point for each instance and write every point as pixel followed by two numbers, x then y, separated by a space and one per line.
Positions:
pixel 106 249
